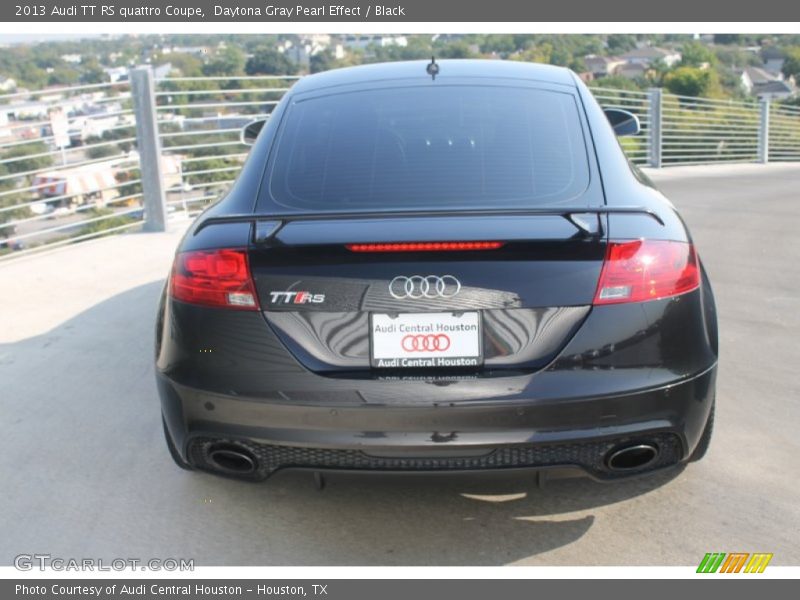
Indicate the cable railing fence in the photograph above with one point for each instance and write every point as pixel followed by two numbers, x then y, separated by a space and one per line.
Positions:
pixel 700 131
pixel 784 133
pixel 85 161
pixel 199 122
pixel 636 147
pixel 68 166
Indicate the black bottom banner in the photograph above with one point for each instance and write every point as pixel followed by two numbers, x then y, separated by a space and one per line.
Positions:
pixel 383 589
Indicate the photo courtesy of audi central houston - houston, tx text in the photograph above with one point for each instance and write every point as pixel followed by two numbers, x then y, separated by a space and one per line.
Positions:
pixel 381 294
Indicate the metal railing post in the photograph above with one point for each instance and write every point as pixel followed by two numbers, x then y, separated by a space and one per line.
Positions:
pixel 149 148
pixel 654 108
pixel 763 131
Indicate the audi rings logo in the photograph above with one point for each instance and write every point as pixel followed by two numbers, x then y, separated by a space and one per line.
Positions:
pixel 426 342
pixel 430 286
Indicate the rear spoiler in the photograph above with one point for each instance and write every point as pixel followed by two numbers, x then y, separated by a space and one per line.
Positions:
pixel 268 224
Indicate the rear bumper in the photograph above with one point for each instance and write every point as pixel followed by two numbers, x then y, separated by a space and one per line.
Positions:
pixel 455 436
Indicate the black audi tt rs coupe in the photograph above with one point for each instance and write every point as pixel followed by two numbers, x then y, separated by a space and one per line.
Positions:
pixel 435 267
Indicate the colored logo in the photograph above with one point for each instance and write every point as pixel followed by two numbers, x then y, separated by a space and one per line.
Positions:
pixel 426 343
pixel 735 562
pixel 296 298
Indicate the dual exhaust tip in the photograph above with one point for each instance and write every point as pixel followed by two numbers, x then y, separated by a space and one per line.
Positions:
pixel 631 457
pixel 232 459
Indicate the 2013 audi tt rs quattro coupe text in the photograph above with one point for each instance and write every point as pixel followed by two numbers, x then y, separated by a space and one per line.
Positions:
pixel 438 266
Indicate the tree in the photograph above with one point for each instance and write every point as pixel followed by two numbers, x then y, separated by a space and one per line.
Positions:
pixel 129 189
pixel 500 44
pixel 187 65
pixel 267 60
pixel 619 43
pixel 64 76
pixel 417 48
pixel 111 135
pixel 104 224
pixel 457 49
pixel 322 61
pixel 28 159
pixel 695 54
pixel 226 61
pixel 617 82
pixel 92 72
pixel 727 38
pixel 538 53
pixel 691 81
pixel 96 152
pixel 792 65
pixel 735 57
pixel 8 184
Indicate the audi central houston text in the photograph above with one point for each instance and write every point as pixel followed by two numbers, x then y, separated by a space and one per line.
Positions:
pixel 433 267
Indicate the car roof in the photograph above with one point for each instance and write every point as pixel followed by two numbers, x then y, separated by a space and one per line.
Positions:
pixel 448 69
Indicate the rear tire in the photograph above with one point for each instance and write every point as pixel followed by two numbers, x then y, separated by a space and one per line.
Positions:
pixel 173 451
pixel 705 439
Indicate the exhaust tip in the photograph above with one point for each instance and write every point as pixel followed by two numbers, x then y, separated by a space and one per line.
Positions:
pixel 628 458
pixel 231 459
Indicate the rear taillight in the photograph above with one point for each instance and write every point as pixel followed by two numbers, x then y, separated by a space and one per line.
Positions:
pixel 642 270
pixel 214 278
pixel 424 246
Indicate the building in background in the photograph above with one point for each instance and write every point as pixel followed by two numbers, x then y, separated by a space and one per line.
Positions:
pixel 301 50
pixel 73 186
pixel 116 74
pixel 603 66
pixel 774 58
pixel 649 55
pixel 360 42
pixel 96 183
pixel 7 84
pixel 764 83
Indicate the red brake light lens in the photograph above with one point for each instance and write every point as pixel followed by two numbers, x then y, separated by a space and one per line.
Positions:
pixel 642 270
pixel 214 278
pixel 424 246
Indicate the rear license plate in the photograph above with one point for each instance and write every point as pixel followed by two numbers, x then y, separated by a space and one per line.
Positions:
pixel 420 340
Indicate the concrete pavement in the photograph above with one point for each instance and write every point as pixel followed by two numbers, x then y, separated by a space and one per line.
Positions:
pixel 85 472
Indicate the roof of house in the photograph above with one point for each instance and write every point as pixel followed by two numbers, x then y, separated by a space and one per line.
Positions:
pixel 774 87
pixel 772 52
pixel 593 59
pixel 648 52
pixel 759 75
pixel 76 180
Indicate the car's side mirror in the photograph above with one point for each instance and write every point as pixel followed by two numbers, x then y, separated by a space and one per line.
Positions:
pixel 251 130
pixel 623 122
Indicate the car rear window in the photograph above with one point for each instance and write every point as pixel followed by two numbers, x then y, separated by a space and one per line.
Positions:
pixel 433 147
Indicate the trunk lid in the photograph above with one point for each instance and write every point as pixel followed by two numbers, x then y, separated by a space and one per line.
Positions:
pixel 528 296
